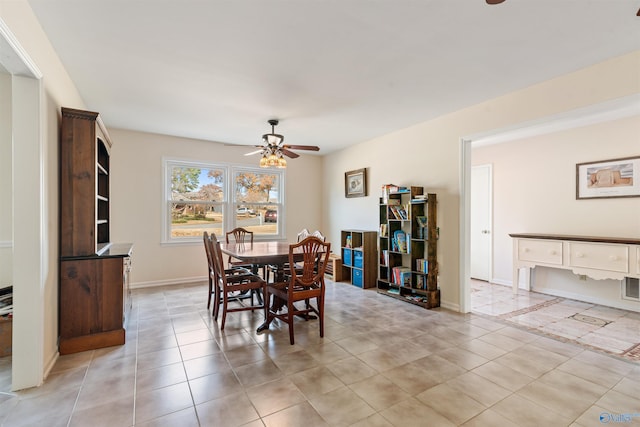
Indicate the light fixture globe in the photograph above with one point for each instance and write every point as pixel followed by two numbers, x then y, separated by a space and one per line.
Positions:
pixel 272 139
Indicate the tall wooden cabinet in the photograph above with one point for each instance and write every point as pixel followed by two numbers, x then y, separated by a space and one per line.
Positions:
pixel 94 273
pixel 359 257
pixel 408 242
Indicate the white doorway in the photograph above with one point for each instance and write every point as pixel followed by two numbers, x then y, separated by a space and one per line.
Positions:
pixel 481 221
pixel 24 129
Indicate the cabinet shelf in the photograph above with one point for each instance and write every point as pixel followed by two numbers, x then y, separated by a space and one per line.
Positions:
pixel 102 170
pixel 399 270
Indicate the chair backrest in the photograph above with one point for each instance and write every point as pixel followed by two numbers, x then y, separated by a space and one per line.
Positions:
pixel 319 235
pixel 303 235
pixel 218 263
pixel 315 253
pixel 240 235
pixel 207 249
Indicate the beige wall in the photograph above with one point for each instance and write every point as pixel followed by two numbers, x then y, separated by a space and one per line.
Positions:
pixel 428 154
pixel 534 191
pixel 137 191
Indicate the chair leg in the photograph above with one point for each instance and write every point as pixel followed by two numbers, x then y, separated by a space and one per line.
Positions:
pixel 224 310
pixel 290 316
pixel 320 302
pixel 216 302
pixel 210 290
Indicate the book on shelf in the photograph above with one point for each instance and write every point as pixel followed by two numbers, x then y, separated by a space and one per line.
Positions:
pixel 398 212
pixel 402 211
pixel 420 281
pixel 393 202
pixel 422 265
pixel 384 257
pixel 401 276
pixel 383 230
pixel 400 238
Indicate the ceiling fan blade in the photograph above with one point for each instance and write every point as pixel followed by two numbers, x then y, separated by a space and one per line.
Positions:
pixel 254 152
pixel 302 147
pixel 228 144
pixel 288 153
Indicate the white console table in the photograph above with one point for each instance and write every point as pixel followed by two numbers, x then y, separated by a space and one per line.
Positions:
pixel 596 257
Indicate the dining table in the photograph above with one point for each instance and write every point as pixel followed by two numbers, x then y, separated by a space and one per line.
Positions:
pixel 259 254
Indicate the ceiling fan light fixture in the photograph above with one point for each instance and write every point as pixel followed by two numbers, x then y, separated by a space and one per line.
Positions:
pixel 272 138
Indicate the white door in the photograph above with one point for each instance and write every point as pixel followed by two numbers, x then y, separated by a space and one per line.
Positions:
pixel 480 231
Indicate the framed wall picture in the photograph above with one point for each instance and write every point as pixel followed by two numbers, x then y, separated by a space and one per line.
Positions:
pixel 608 178
pixel 355 183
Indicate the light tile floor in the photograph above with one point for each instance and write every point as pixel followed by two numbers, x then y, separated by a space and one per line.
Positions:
pixel 614 331
pixel 382 362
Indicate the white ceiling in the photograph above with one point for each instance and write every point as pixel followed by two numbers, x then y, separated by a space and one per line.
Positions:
pixel 335 72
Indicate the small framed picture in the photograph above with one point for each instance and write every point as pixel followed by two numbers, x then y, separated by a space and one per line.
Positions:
pixel 608 178
pixel 355 183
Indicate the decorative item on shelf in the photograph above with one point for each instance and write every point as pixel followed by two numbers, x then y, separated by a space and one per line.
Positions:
pixel 347 243
pixel 421 222
pixel 355 183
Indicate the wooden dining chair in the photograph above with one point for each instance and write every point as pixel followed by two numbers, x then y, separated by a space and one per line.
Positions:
pixel 240 235
pixel 231 286
pixel 301 286
pixel 233 273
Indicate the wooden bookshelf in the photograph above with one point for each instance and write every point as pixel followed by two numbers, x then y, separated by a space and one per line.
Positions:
pixel 408 247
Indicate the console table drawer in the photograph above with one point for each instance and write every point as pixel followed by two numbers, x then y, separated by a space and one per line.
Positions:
pixel 599 256
pixel 544 251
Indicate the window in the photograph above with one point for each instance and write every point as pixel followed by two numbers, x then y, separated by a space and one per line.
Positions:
pixel 217 198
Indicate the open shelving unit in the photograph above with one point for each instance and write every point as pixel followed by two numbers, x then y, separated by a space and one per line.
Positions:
pixel 408 247
pixel 359 254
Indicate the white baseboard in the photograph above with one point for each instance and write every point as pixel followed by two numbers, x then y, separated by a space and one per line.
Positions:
pixel 49 366
pixel 508 283
pixel 168 282
pixel 450 306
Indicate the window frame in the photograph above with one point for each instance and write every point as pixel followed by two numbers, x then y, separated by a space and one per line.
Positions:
pixel 228 203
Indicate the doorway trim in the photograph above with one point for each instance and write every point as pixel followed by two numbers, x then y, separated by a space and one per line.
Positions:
pixel 29 255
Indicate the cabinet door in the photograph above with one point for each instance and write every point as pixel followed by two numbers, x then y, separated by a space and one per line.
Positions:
pixel 91 296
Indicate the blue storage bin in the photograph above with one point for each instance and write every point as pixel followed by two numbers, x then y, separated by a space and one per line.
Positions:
pixel 346 257
pixel 356 278
pixel 357 259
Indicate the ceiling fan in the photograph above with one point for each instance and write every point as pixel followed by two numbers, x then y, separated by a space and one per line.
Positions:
pixel 273 149
pixel 501 1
